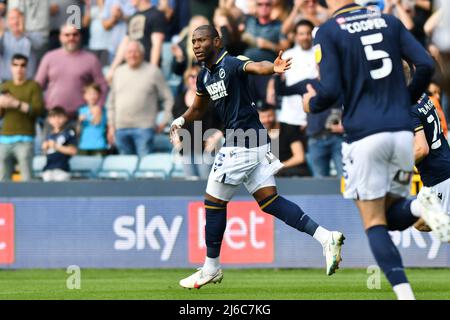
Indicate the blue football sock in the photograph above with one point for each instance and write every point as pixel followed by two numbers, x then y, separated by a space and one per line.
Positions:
pixel 288 212
pixel 399 216
pixel 216 222
pixel 386 254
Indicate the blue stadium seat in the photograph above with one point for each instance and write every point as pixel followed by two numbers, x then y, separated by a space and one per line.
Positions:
pixel 155 165
pixel 38 165
pixel 118 167
pixel 85 167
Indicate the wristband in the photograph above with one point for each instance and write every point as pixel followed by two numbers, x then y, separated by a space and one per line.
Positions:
pixel 178 122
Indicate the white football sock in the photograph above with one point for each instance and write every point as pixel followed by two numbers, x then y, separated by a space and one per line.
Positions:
pixel 321 235
pixel 404 291
pixel 416 208
pixel 211 265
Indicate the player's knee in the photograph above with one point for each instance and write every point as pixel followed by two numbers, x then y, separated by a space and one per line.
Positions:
pixel 264 204
pixel 214 201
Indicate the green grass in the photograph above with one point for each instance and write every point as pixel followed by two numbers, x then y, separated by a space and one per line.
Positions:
pixel 264 284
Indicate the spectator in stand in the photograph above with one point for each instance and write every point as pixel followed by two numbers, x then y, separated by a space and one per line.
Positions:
pixel 304 10
pixel 402 10
pixel 64 72
pixel 228 29
pixel 232 7
pixel 263 35
pixel 203 8
pixel 441 38
pixel 165 6
pixel 14 41
pixel 183 54
pixel 148 26
pixel 303 67
pixel 264 39
pixel 98 36
pixel 434 93
pixel 325 137
pixel 197 163
pixel 137 87
pixel 324 131
pixel 115 16
pixel 59 146
pixel 288 141
pixel 421 12
pixel 92 123
pixel 280 10
pixel 21 102
pixel 2 8
pixel 58 17
pixel 37 25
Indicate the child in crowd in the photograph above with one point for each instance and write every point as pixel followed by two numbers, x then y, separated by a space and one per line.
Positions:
pixel 92 123
pixel 59 146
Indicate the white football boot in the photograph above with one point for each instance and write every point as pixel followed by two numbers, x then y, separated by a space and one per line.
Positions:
pixel 332 251
pixel 199 279
pixel 434 215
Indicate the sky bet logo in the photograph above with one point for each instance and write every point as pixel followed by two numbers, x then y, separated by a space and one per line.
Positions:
pixel 136 233
pixel 6 233
pixel 248 238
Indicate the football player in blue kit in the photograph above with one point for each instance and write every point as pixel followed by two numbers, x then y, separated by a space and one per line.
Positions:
pixel 431 153
pixel 360 52
pixel 245 158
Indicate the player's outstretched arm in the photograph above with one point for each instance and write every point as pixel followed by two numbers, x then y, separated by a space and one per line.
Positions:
pixel 195 112
pixel 421 148
pixel 265 68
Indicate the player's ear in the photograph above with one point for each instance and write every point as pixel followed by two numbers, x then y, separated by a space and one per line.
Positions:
pixel 217 42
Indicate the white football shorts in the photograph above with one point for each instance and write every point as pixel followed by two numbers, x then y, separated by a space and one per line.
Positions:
pixel 234 166
pixel 378 164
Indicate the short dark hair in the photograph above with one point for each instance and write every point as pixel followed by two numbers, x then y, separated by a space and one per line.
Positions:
pixel 264 106
pixel 57 111
pixel 211 30
pixel 93 85
pixel 19 56
pixel 304 22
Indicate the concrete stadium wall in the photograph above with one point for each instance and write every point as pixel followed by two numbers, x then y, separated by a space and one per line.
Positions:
pixel 160 224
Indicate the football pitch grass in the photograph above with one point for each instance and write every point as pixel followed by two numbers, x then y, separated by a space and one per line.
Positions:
pixel 238 284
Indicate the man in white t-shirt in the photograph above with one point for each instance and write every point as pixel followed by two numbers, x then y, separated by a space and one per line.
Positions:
pixel 303 67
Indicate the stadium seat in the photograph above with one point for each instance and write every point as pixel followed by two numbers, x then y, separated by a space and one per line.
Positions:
pixel 85 167
pixel 155 165
pixel 118 167
pixel 39 163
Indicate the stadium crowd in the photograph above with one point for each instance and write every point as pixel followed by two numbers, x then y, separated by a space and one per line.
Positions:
pixel 105 77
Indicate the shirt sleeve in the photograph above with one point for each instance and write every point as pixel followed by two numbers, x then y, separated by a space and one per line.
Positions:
pixel 201 89
pixel 240 63
pixel 329 88
pixel 158 22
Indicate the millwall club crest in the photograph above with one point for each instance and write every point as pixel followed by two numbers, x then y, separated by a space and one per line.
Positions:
pixel 222 73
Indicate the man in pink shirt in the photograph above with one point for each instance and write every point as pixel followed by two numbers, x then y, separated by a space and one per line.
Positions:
pixel 64 72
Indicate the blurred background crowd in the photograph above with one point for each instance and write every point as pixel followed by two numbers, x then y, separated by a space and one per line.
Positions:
pixel 106 77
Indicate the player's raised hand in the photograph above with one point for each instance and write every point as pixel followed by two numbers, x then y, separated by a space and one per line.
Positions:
pixel 280 65
pixel 308 96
